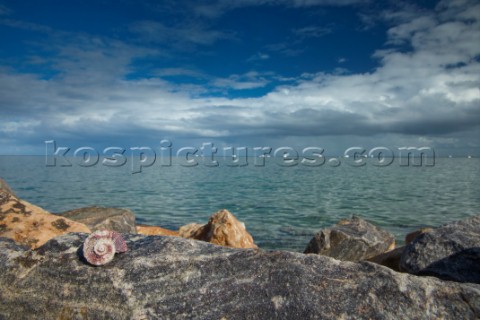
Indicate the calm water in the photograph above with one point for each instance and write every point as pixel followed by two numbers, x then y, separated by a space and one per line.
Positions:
pixel 282 207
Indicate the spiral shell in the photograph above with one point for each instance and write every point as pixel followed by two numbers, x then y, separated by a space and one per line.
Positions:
pixel 100 247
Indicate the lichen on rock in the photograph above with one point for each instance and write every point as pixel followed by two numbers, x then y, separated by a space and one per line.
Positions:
pixel 30 225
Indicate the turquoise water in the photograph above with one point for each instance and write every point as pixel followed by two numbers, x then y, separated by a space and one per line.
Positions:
pixel 282 207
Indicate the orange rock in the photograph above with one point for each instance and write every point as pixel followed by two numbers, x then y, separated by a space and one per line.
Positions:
pixel 30 225
pixel 155 231
pixel 222 229
pixel 189 230
pixel 5 187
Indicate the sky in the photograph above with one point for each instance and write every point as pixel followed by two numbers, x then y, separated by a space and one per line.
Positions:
pixel 322 73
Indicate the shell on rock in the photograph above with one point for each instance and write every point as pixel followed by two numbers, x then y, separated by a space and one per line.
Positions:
pixel 100 246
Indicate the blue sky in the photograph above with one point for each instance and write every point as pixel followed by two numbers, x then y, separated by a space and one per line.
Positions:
pixel 332 74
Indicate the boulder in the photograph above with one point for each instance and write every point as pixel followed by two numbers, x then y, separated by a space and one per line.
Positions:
pixel 155 231
pixel 222 229
pixel 413 235
pixel 5 187
pixel 176 278
pixel 451 252
pixel 390 259
pixel 352 240
pixel 30 225
pixel 97 218
pixel 189 230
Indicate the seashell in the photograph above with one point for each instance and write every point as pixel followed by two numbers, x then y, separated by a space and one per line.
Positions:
pixel 100 246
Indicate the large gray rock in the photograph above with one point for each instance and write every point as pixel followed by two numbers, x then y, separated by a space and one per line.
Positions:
pixel 96 218
pixel 175 278
pixel 351 240
pixel 415 234
pixel 451 252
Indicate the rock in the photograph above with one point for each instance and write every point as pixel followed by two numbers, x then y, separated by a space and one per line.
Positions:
pixel 187 231
pixel 30 225
pixel 451 252
pixel 390 259
pixel 97 218
pixel 155 231
pixel 222 229
pixel 351 240
pixel 413 235
pixel 5 187
pixel 176 278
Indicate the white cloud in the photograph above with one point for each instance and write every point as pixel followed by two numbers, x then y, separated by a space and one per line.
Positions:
pixel 259 56
pixel 25 25
pixel 312 32
pixel 213 9
pixel 182 36
pixel 171 72
pixel 427 93
pixel 285 48
pixel 249 80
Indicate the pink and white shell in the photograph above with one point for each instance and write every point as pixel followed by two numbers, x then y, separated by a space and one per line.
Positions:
pixel 100 246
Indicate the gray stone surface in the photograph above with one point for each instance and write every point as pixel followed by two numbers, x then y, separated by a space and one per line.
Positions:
pixel 390 259
pixel 351 240
pixel 96 218
pixel 414 234
pixel 451 252
pixel 175 278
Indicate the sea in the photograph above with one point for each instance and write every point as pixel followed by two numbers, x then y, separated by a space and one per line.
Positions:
pixel 281 206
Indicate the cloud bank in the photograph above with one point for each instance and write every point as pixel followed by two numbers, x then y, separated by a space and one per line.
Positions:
pixel 426 88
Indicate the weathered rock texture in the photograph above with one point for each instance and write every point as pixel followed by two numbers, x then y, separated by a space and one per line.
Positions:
pixel 30 225
pixel 98 218
pixel 189 230
pixel 451 252
pixel 155 231
pixel 351 240
pixel 222 229
pixel 390 259
pixel 413 235
pixel 175 278
pixel 5 187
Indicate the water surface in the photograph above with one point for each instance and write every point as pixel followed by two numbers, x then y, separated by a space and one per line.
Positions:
pixel 282 207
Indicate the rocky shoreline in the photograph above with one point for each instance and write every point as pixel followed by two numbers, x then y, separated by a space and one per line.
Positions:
pixel 215 271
